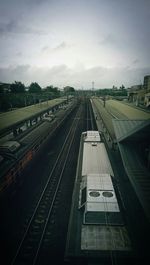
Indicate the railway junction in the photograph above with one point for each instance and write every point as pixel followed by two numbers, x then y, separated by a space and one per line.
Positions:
pixel 46 235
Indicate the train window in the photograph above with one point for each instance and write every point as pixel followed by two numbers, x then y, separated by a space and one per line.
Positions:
pixel 107 194
pixel 94 193
pixel 83 198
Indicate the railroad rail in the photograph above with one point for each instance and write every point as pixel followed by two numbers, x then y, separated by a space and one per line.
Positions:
pixel 90 125
pixel 32 240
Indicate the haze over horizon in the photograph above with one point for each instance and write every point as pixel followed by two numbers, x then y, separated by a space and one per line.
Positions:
pixel 66 42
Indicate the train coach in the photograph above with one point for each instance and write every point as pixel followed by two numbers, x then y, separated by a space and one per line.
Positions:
pixel 16 154
pixel 96 229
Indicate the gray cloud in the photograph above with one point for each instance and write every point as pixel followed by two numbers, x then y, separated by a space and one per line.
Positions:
pixel 45 48
pixel 61 47
pixel 7 27
pixel 15 27
pixel 109 39
pixel 10 74
pixel 62 75
pixel 114 41
pixel 19 54
pixel 135 62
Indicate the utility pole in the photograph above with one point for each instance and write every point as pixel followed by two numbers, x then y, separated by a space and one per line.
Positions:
pixel 93 87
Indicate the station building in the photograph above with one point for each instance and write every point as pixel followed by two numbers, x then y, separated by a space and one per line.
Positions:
pixel 140 94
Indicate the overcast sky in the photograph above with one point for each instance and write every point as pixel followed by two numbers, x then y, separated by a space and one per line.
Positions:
pixel 75 42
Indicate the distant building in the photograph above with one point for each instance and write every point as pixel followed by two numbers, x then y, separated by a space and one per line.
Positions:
pixel 147 100
pixel 135 94
pixel 147 82
pixel 140 94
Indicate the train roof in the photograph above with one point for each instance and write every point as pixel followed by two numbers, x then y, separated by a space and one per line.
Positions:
pixel 91 136
pixel 100 195
pixel 96 224
pixel 100 238
pixel 10 145
pixel 95 159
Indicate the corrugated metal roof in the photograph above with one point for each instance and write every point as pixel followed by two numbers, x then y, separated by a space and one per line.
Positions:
pixel 131 131
pixel 10 118
pixel 128 110
pixel 127 128
pixel 137 173
pixel 105 115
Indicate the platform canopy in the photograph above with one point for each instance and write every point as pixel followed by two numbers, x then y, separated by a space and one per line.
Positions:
pixel 133 137
pixel 131 129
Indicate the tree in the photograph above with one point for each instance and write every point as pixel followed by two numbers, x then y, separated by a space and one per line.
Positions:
pixel 1 89
pixel 34 88
pixel 52 91
pixel 122 87
pixel 4 104
pixel 114 88
pixel 69 89
pixel 17 87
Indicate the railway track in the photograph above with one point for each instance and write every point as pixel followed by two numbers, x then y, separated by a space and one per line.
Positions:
pixel 40 225
pixel 90 125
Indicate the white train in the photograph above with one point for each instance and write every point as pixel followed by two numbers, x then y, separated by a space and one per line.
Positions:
pixel 96 226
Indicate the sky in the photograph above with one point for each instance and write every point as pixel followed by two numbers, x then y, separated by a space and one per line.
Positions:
pixel 75 42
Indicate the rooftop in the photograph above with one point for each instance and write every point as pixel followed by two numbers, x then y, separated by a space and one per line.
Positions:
pixel 132 135
pixel 95 159
pixel 14 117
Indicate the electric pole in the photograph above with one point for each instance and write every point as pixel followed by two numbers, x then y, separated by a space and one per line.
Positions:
pixel 93 87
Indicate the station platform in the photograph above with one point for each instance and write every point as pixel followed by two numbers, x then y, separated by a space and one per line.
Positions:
pixel 129 129
pixel 15 117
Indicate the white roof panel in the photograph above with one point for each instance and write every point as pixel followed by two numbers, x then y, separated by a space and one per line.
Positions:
pixel 102 207
pixel 100 195
pixel 95 159
pixel 99 181
pixel 92 136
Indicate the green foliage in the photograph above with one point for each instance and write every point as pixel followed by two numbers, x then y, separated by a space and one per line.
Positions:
pixel 51 92
pixel 17 87
pixel 34 88
pixel 107 91
pixel 52 89
pixel 69 89
pixel 122 87
pixel 1 89
pixel 15 96
pixel 4 104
